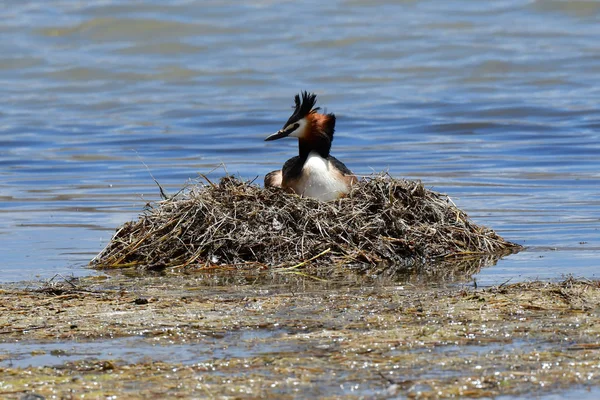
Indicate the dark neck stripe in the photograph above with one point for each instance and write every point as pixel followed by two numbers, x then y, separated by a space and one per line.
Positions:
pixel 321 145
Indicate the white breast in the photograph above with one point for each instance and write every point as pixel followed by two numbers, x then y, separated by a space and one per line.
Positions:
pixel 320 180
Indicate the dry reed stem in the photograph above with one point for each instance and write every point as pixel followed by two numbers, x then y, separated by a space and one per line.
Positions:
pixel 383 223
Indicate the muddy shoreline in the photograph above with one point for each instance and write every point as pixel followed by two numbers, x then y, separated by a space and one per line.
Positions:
pixel 199 337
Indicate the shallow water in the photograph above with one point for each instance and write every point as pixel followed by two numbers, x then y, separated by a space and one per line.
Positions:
pixel 495 104
pixel 247 344
pixel 244 344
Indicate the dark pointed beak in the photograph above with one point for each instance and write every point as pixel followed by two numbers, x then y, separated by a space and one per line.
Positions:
pixel 277 135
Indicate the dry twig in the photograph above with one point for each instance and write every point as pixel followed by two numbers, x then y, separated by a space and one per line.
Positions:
pixel 383 223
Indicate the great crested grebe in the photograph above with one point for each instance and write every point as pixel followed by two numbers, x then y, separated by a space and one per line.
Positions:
pixel 313 173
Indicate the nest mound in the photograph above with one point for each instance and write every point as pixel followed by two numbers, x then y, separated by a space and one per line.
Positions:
pixel 382 222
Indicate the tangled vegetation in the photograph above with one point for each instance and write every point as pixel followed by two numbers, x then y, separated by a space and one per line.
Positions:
pixel 383 223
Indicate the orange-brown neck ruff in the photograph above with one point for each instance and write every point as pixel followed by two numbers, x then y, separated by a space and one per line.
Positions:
pixel 318 135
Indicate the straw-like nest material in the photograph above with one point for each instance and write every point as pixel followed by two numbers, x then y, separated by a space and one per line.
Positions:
pixel 382 222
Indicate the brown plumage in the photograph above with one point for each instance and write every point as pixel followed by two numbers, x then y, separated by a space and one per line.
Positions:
pixel 273 179
pixel 314 172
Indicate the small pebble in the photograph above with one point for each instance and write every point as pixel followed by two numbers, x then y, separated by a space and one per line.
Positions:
pixel 32 396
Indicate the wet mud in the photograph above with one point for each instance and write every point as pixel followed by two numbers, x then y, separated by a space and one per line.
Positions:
pixel 197 336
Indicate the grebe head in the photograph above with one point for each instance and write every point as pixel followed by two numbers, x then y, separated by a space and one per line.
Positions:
pixel 313 130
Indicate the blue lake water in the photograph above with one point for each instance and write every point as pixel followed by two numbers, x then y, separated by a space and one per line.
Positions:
pixel 493 103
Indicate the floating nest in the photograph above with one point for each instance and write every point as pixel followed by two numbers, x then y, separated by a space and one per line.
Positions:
pixel 384 223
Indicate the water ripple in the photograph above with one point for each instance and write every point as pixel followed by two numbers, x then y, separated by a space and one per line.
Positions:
pixel 494 103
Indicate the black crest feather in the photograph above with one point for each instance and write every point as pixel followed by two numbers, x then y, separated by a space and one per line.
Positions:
pixel 303 106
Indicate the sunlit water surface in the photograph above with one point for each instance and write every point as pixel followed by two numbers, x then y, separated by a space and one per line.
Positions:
pixel 493 103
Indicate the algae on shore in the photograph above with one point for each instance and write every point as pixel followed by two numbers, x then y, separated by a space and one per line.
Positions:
pixel 383 224
pixel 320 340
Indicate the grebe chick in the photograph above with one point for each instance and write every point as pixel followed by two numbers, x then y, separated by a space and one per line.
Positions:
pixel 313 172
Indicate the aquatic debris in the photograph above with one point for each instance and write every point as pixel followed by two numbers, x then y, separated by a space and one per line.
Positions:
pixel 522 340
pixel 383 222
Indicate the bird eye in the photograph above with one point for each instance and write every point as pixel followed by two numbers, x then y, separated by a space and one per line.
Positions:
pixel 292 128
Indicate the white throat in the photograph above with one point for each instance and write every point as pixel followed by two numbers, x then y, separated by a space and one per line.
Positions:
pixel 320 180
